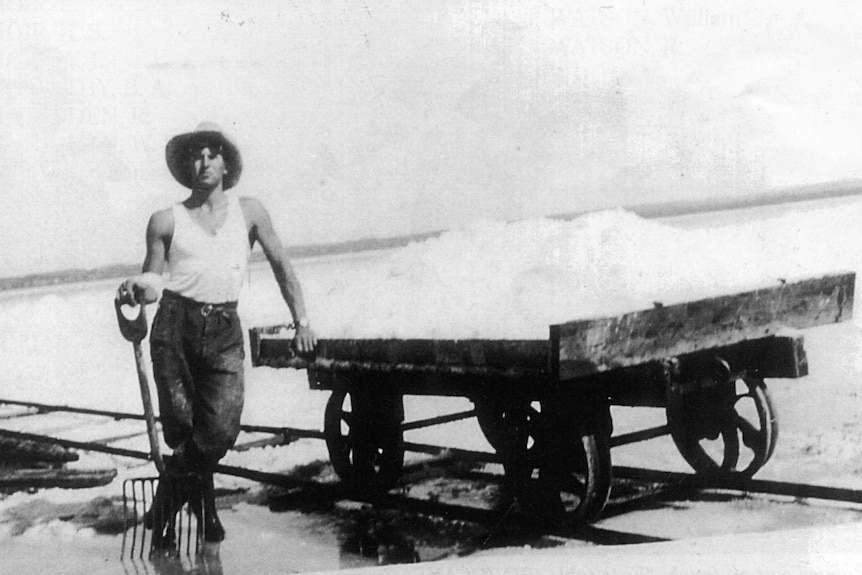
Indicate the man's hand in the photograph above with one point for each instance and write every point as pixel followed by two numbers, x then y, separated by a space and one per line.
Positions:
pixel 129 292
pixel 304 340
pixel 145 288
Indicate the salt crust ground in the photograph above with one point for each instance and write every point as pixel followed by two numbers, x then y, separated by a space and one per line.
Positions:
pixel 831 551
pixel 822 551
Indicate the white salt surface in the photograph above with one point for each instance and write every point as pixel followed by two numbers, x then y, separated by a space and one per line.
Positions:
pixel 832 551
pixel 511 281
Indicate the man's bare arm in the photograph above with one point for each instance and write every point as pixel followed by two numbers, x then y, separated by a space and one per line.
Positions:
pixel 148 285
pixel 262 231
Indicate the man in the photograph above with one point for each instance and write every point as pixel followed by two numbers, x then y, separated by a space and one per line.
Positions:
pixel 196 340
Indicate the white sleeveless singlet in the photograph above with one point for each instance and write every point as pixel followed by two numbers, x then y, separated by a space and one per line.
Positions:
pixel 205 267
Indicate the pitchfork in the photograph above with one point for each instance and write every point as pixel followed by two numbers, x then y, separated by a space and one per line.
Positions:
pixel 172 526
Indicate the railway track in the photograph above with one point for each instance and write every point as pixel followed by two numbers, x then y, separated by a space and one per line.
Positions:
pixel 649 485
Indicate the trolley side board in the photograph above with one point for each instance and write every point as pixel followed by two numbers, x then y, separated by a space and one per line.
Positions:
pixel 592 346
pixel 757 328
pixel 514 358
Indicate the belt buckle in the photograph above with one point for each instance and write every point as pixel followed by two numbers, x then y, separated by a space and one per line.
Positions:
pixel 207 310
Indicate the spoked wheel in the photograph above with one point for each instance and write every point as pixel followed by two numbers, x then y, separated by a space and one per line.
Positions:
pixel 562 471
pixel 365 452
pixel 732 433
pixel 491 419
pixel 583 477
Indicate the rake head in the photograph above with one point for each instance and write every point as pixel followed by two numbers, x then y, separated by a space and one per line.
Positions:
pixel 162 516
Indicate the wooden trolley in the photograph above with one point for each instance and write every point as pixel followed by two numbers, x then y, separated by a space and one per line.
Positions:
pixel 544 405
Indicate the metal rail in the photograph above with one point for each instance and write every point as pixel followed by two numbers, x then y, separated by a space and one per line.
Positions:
pixel 419 424
pixel 668 483
pixel 85 445
pixel 740 483
pixel 47 408
pixel 260 476
pixel 638 436
pixel 118 415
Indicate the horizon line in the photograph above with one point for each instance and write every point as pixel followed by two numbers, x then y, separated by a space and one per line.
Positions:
pixel 789 195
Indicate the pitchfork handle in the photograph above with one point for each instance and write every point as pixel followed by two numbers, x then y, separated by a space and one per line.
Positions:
pixel 135 330
pixel 149 417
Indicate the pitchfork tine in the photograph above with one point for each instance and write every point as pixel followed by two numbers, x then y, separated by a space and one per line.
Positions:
pixel 143 529
pixel 125 520
pixel 152 485
pixel 178 514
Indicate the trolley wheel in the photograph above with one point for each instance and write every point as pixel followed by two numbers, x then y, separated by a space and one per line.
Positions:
pixel 562 472
pixel 491 419
pixel 742 438
pixel 583 479
pixel 380 464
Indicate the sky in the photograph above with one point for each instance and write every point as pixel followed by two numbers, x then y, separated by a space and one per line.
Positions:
pixel 381 117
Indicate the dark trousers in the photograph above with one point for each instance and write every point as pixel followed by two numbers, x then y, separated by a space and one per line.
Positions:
pixel 197 352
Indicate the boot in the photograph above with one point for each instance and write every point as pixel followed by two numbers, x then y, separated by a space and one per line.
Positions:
pixel 161 517
pixel 202 501
pixel 171 494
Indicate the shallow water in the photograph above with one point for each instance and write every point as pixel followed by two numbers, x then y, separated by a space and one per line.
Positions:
pixel 259 541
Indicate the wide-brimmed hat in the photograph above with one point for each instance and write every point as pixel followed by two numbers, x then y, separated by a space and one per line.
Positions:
pixel 178 148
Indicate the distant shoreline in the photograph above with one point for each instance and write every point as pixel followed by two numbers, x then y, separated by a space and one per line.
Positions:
pixel 648 211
